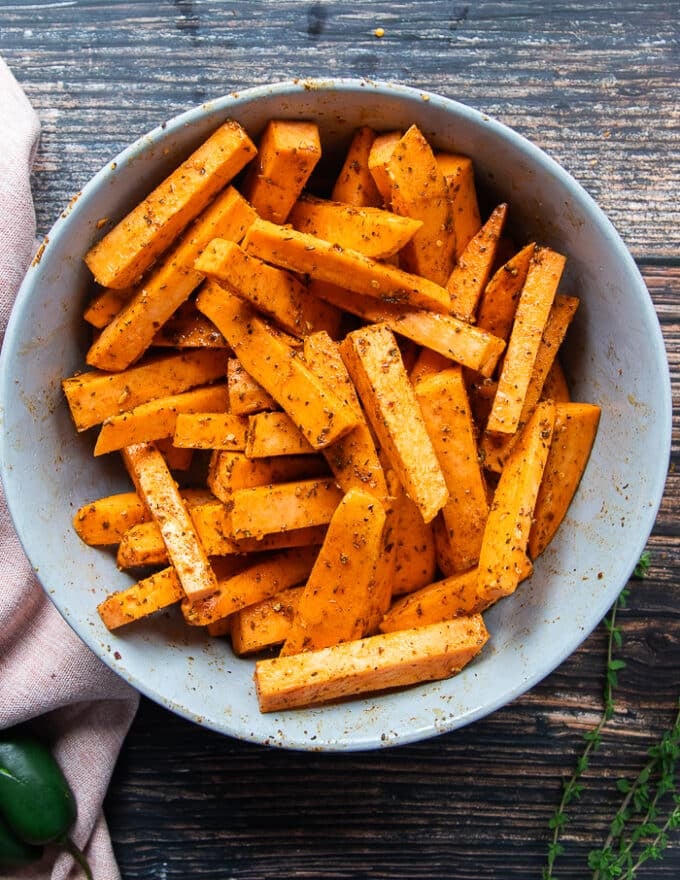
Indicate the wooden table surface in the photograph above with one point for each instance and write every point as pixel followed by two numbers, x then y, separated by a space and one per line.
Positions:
pixel 594 84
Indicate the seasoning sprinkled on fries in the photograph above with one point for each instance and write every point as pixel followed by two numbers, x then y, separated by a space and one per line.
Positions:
pixel 343 413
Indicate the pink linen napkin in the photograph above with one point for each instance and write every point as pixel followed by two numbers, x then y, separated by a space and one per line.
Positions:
pixel 48 677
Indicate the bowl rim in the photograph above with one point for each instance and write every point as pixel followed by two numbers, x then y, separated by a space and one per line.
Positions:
pixel 230 103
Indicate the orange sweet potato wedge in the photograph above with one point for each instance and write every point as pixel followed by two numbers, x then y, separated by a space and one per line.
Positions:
pixel 471 273
pixel 460 175
pixel 104 521
pixel 373 232
pixel 142 599
pixel 498 303
pixel 288 152
pixel 415 561
pixel 265 577
pixel 105 305
pixel 336 601
pixel 211 430
pixel 228 471
pixel 94 396
pixel 157 488
pixel 436 602
pixel 452 338
pixel 157 419
pixel 278 294
pixel 354 184
pixel 446 410
pixel 273 434
pixel 159 294
pixel 264 624
pixel 353 458
pixel 496 447
pixel 442 600
pixel 533 311
pixel 246 396
pixel 574 434
pixel 326 261
pixel 506 534
pixel 123 255
pixel 264 510
pixel 378 158
pixel 374 362
pixel 314 408
pixel 367 665
pixel 418 189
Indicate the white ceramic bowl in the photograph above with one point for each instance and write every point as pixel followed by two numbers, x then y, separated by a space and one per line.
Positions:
pixel 615 357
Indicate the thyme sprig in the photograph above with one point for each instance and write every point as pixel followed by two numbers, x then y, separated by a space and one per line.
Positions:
pixel 573 787
pixel 636 821
pixel 638 831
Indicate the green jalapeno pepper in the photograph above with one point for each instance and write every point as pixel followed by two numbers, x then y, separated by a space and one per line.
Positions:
pixel 15 853
pixel 37 806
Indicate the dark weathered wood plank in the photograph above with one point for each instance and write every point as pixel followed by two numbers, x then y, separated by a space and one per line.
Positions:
pixel 593 84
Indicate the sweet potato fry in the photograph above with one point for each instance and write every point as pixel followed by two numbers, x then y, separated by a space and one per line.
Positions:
pixel 142 599
pixel 274 433
pixel 446 411
pixel 323 260
pixel 415 561
pixel 228 471
pixel 496 447
pixel 246 396
pixel 373 232
pixel 158 296
pixel 471 273
pixel 436 602
pixel 158 490
pixel 288 152
pixel 104 521
pixel 449 336
pixel 263 510
pixel 533 310
pixel 354 184
pixel 427 362
pixel 264 624
pixel 460 176
pixel 278 294
pixel 556 387
pixel 94 396
pixel 335 604
pixel 573 438
pixel 122 256
pixel 378 158
pixel 105 305
pixel 313 407
pixel 372 664
pixel 498 303
pixel 418 189
pixel 506 533
pixel 157 418
pixel 442 600
pixel 141 546
pixel 188 328
pixel 373 360
pixel 209 430
pixel 382 585
pixel 353 458
pixel 270 574
pixel 176 459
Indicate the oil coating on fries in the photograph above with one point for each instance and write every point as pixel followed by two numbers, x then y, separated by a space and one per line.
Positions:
pixel 343 413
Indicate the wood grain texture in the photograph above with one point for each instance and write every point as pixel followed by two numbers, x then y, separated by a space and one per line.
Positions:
pixel 593 84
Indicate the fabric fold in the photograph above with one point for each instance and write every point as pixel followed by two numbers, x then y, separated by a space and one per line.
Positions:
pixel 51 681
